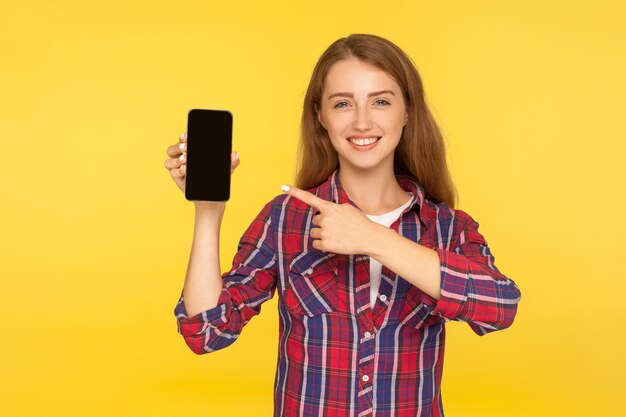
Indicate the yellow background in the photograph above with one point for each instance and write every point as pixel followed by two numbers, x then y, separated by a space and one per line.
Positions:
pixel 96 236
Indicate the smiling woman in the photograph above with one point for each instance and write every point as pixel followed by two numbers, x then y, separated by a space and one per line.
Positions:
pixel 367 253
pixel 361 85
pixel 357 118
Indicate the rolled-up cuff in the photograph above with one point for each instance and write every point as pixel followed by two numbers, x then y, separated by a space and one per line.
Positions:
pixel 201 322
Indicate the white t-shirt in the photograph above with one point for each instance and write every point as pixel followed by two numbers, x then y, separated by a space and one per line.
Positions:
pixel 376 267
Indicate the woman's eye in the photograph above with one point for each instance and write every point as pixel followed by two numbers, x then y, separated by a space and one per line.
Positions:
pixel 384 102
pixel 338 104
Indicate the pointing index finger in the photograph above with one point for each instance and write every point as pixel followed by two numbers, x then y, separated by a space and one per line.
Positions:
pixel 305 196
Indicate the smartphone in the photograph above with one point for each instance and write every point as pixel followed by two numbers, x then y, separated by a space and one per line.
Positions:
pixel 209 145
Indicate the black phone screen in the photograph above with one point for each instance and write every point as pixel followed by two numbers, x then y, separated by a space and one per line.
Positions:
pixel 209 145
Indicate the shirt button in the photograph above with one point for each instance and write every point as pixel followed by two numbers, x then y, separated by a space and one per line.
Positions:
pixel 367 335
pixel 365 378
pixel 383 297
pixel 309 271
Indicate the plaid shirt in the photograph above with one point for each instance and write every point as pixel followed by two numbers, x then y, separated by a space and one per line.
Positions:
pixel 336 355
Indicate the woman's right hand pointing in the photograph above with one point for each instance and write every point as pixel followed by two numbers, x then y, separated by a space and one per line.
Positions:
pixel 177 161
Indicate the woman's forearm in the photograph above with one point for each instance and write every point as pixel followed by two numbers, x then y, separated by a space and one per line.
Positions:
pixel 203 281
pixel 414 262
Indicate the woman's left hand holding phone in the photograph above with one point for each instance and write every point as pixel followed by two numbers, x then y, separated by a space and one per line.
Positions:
pixel 176 163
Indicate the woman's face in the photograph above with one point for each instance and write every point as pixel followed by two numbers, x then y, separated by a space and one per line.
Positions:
pixel 361 103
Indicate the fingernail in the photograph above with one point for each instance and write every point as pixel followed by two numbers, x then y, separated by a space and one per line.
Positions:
pixel 181 146
pixel 285 188
pixel 236 156
pixel 182 136
pixel 180 158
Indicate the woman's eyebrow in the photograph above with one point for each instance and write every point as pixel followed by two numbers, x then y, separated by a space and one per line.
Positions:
pixel 375 93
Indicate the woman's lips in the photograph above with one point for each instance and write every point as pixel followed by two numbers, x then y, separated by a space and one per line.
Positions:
pixel 363 148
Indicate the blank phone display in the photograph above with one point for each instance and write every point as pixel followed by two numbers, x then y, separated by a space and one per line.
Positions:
pixel 209 146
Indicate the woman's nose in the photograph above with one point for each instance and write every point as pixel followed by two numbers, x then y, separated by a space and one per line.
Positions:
pixel 362 120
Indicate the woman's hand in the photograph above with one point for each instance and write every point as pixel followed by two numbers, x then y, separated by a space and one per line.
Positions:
pixel 342 228
pixel 176 164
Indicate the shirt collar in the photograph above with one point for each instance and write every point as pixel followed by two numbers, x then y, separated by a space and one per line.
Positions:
pixel 332 190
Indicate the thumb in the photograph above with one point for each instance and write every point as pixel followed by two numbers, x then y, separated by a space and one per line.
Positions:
pixel 234 161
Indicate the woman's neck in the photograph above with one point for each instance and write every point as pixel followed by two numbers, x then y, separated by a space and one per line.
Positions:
pixel 374 191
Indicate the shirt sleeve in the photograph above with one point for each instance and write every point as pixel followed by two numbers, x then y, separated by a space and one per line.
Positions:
pixel 249 283
pixel 472 288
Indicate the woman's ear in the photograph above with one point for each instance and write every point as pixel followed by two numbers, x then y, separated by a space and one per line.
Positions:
pixel 406 118
pixel 319 116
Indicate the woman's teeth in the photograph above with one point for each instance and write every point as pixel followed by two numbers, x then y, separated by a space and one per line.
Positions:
pixel 363 142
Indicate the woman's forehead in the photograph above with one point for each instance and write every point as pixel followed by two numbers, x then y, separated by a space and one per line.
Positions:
pixel 357 77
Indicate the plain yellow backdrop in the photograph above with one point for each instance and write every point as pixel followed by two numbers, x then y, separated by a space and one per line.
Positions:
pixel 96 236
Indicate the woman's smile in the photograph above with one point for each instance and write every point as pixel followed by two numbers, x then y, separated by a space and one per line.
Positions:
pixel 364 144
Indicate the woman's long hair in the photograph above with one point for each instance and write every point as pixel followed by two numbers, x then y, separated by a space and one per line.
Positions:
pixel 421 150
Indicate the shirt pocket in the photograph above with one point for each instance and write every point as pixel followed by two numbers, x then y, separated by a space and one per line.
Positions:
pixel 415 313
pixel 312 284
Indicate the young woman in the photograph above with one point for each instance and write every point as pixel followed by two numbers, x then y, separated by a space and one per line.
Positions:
pixel 367 253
